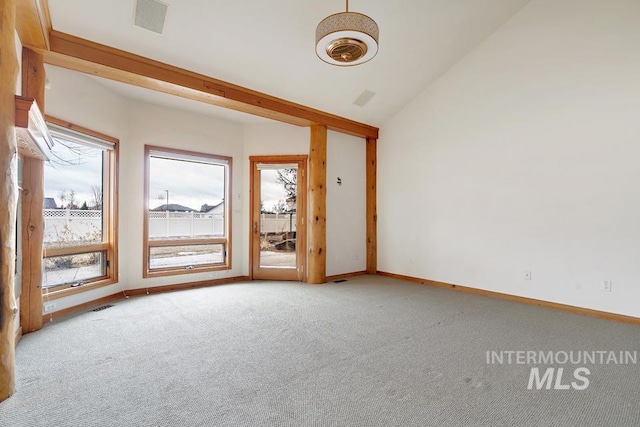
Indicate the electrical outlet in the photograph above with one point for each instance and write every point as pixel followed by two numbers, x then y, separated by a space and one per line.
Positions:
pixel 527 275
pixel 49 307
pixel 606 286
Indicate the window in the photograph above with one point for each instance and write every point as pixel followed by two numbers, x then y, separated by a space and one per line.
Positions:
pixel 80 236
pixel 186 212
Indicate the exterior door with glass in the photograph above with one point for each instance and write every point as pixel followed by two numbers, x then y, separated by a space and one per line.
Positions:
pixel 278 238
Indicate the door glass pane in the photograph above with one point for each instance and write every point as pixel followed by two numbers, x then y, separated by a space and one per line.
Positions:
pixel 278 216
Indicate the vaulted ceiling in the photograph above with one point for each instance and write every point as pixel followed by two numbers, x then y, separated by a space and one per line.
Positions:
pixel 268 46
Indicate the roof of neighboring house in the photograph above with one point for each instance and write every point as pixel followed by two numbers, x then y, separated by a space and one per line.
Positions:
pixel 173 207
pixel 50 203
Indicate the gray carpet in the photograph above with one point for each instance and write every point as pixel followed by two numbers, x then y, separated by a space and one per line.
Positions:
pixel 371 351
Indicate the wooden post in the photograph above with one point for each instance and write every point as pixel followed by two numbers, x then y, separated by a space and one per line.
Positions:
pixel 372 215
pixel 317 260
pixel 8 196
pixel 33 80
pixel 33 77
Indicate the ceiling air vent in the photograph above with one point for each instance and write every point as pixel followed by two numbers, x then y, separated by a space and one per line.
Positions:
pixel 150 15
pixel 364 98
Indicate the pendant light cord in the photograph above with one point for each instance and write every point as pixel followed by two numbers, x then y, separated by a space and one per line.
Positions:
pixel 347 5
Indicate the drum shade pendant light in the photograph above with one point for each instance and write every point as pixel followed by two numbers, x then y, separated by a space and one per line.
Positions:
pixel 347 38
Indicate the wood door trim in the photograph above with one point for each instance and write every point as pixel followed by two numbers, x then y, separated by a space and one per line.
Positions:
pixel 254 200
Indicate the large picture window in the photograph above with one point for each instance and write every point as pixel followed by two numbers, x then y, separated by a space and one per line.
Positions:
pixel 186 212
pixel 80 236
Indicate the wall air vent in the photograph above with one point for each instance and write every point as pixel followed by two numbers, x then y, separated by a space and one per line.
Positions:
pixel 104 307
pixel 150 15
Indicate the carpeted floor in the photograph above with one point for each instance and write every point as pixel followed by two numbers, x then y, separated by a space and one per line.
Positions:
pixel 371 351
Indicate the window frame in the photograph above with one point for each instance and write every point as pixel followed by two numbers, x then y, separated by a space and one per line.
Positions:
pixel 226 241
pixel 109 245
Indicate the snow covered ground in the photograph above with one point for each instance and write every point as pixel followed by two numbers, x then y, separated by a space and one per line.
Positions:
pixel 57 277
pixel 70 275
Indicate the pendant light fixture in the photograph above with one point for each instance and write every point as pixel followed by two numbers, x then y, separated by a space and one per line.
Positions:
pixel 347 38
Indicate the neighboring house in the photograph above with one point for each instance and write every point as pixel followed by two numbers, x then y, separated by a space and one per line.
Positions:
pixel 173 207
pixel 216 209
pixel 50 203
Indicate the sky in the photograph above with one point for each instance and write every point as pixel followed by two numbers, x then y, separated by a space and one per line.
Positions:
pixel 69 170
pixel 189 184
pixel 270 190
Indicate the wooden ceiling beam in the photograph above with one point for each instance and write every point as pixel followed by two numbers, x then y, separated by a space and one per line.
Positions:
pixel 92 58
pixel 33 23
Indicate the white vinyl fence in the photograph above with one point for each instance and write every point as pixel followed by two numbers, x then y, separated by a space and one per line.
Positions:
pixel 185 224
pixel 277 223
pixel 75 225
pixel 72 225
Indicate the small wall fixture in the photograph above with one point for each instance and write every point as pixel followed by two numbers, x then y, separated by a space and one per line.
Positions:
pixel 347 38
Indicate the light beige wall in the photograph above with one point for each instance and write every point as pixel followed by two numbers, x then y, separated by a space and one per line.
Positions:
pixel 155 125
pixel 346 204
pixel 524 156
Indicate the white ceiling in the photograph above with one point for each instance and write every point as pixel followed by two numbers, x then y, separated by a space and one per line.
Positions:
pixel 269 45
pixel 172 101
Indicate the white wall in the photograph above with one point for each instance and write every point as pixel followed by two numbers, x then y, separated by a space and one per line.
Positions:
pixel 346 204
pixel 524 156
pixel 81 100
pixel 156 125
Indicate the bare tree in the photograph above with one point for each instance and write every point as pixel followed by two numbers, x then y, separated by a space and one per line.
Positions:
pixel 68 199
pixel 70 154
pixel 161 199
pixel 289 179
pixel 63 198
pixel 72 200
pixel 279 207
pixel 96 192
